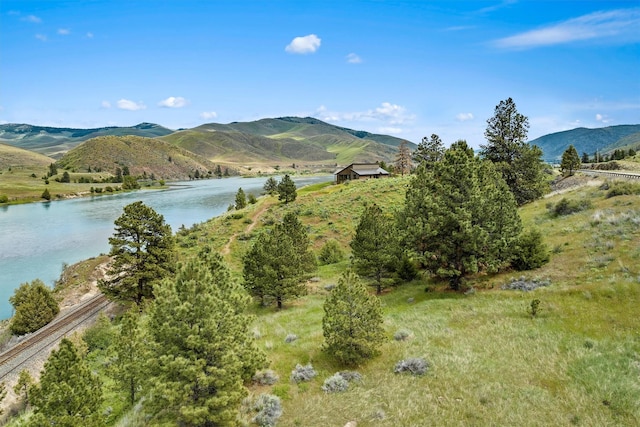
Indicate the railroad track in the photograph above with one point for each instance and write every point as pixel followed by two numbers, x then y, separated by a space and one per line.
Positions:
pixel 19 354
pixel 627 175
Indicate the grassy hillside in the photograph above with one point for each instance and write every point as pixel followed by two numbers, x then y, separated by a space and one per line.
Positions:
pixel 13 157
pixel 54 142
pixel 306 141
pixel 587 140
pixel 141 155
pixel 491 363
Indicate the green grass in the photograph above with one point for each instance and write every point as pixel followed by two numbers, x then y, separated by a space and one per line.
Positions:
pixel 577 362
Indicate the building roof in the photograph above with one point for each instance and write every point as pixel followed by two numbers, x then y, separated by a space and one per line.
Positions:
pixel 364 169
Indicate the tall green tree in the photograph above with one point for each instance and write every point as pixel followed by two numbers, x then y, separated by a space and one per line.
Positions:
pixel 241 199
pixel 287 189
pixel 352 322
pixel 585 157
pixel 570 161
pixel 34 306
pixel 143 253
pixel 69 394
pixel 403 159
pixel 23 387
pixel 199 338
pixel 278 263
pixel 429 150
pixel 456 217
pixel 372 246
pixel 519 163
pixel 131 354
pixel 271 186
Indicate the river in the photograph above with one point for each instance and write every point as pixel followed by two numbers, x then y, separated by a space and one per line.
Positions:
pixel 37 239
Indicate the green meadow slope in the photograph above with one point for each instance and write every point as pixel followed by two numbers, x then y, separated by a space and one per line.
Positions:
pixel 14 157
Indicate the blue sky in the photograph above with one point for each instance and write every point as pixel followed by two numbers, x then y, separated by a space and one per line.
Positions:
pixel 404 68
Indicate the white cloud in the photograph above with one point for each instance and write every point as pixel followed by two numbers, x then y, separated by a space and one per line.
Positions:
pixel 621 24
pixel 352 58
pixel 602 118
pixel 388 113
pixel 302 45
pixel 41 37
pixel 208 115
pixel 463 117
pixel 105 104
pixel 32 18
pixel 174 102
pixel 64 31
pixel 90 35
pixel 125 104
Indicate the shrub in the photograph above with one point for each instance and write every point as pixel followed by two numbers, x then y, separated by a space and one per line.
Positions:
pixel 303 373
pixel 568 207
pixel 34 306
pixel 266 377
pixel 331 253
pixel 252 199
pixel 401 335
pixel 290 338
pixel 46 194
pixel 100 335
pixel 269 410
pixel 351 376
pixel 335 384
pixel 623 188
pixel 4 198
pixel 524 284
pixel 413 366
pixel 534 307
pixel 530 251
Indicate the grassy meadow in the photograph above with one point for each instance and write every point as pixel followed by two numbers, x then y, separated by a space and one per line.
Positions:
pixel 577 362
pixel 491 363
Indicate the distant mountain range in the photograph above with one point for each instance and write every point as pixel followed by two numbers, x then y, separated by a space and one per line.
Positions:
pixel 262 144
pixel 604 140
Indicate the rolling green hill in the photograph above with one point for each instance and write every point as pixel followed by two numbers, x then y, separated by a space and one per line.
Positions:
pixel 141 155
pixel 11 157
pixel 54 142
pixel 588 141
pixel 285 139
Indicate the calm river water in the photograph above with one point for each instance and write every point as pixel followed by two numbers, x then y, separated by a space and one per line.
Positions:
pixel 37 239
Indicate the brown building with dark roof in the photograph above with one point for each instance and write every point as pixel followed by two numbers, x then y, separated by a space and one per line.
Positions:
pixel 359 171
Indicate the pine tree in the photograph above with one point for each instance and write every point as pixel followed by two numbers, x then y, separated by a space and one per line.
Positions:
pixel 199 337
pixel 23 386
pixel 131 354
pixel 46 194
pixel 352 323
pixel 287 189
pixel 68 393
pixel 34 306
pixel 292 227
pixel 519 163
pixel 271 186
pixel 457 218
pixel 143 253
pixel 403 159
pixel 570 161
pixel 372 246
pixel 241 199
pixel 429 150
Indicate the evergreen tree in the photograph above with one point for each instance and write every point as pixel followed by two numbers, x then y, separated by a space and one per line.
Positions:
pixel 373 252
pixel 46 194
pixel 34 307
pixel 277 264
pixel 293 228
pixel 352 322
pixel 218 171
pixel 68 393
pixel 65 177
pixel 287 189
pixel 53 169
pixel 241 199
pixel 118 177
pixel 457 218
pixel 131 354
pixel 23 386
pixel 585 158
pixel 143 253
pixel 199 337
pixel 429 150
pixel 271 186
pixel 519 163
pixel 570 161
pixel 403 159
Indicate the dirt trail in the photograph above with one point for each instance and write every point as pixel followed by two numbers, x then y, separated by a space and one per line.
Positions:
pixel 254 220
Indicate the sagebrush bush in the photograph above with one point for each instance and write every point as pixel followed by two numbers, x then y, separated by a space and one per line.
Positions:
pixel 413 366
pixel 351 376
pixel 401 335
pixel 269 409
pixel 623 188
pixel 530 251
pixel 331 252
pixel 266 377
pixel 290 338
pixel 303 373
pixel 524 284
pixel 335 384
pixel 568 207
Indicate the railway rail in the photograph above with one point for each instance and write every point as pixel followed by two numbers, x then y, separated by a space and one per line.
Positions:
pixel 13 358
pixel 627 175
